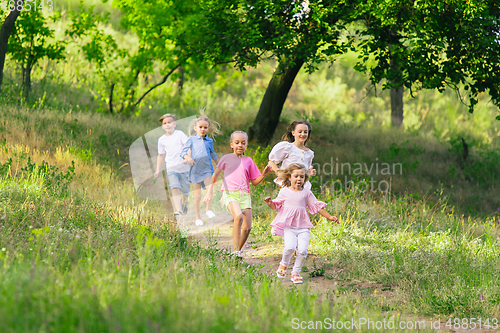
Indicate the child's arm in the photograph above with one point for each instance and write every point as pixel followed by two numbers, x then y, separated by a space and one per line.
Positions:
pixel 267 170
pixel 209 194
pixel 159 159
pixel 274 166
pixel 184 152
pixel 324 213
pixel 270 202
pixel 213 154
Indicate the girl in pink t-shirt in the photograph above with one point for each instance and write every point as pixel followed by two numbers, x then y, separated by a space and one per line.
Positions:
pixel 292 221
pixel 238 171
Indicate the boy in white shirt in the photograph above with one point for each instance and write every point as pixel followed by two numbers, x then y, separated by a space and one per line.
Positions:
pixel 169 147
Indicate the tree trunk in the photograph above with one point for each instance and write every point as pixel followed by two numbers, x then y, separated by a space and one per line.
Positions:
pixel 397 106
pixel 396 96
pixel 7 27
pixel 110 104
pixel 271 106
pixel 27 80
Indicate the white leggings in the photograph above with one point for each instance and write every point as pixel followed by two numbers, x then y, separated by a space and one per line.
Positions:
pixel 294 236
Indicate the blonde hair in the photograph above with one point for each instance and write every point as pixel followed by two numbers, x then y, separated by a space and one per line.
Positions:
pixel 212 124
pixel 166 115
pixel 285 174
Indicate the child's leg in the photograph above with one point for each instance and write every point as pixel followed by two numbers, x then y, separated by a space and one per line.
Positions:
pixel 234 208
pixel 184 203
pixel 303 243
pixel 208 182
pixel 197 199
pixel 184 198
pixel 290 238
pixel 176 199
pixel 247 226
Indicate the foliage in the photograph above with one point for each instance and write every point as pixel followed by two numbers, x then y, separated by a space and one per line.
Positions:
pixel 30 42
pixel 432 44
pixel 120 68
pixel 246 32
pixel 259 156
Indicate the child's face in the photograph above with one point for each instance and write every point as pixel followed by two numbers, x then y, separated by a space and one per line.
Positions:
pixel 239 144
pixel 201 128
pixel 297 178
pixel 301 133
pixel 168 125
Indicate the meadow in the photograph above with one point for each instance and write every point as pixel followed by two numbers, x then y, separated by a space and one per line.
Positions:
pixel 81 252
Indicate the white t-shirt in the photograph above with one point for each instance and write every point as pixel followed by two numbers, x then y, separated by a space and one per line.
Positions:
pixel 171 146
pixel 287 153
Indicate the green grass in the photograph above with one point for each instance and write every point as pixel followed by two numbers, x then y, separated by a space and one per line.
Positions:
pixel 69 263
pixel 444 264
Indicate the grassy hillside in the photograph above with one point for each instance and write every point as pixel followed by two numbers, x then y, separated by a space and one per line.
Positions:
pixel 78 255
pixel 379 239
pixel 81 252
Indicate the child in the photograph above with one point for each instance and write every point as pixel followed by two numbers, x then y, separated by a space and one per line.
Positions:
pixel 238 171
pixel 292 221
pixel 293 149
pixel 170 146
pixel 202 154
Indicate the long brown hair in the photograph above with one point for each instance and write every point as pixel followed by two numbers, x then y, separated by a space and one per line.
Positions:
pixel 285 174
pixel 288 135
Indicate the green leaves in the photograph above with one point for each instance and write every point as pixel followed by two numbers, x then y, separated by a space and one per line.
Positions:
pixel 434 44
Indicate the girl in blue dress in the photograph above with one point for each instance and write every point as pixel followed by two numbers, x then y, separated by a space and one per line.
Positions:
pixel 202 155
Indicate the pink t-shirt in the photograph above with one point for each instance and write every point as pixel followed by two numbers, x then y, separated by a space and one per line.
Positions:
pixel 237 172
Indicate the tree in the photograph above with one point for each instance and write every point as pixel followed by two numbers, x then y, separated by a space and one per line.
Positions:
pixel 157 25
pixel 431 45
pixel 294 33
pixel 243 32
pixel 30 42
pixel 5 32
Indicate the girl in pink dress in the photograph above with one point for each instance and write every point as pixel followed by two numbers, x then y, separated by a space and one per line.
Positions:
pixel 238 171
pixel 292 221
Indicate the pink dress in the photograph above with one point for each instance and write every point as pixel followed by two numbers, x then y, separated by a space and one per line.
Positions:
pixel 291 206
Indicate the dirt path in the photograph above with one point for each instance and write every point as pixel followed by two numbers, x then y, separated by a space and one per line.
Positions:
pixel 268 255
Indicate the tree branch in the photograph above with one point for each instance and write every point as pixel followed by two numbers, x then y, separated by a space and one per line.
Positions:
pixel 157 85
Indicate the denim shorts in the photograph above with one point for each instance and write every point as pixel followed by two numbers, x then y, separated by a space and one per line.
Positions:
pixel 179 180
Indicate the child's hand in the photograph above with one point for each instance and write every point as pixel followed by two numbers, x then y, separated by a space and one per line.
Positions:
pixel 207 198
pixel 270 202
pixel 157 173
pixel 333 218
pixel 189 160
pixel 267 170
pixel 312 172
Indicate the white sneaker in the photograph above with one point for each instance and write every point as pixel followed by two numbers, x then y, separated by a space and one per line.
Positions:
pixel 199 223
pixel 238 254
pixel 210 214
